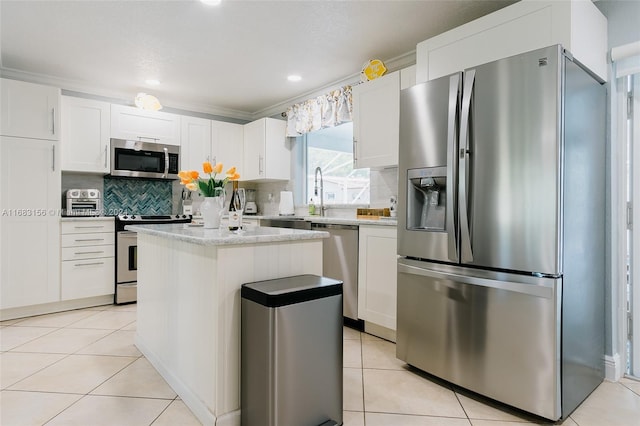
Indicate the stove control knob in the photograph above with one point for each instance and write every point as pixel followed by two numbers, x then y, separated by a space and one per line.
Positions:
pixel 125 217
pixel 133 216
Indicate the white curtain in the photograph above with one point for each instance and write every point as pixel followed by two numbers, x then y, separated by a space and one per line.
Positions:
pixel 328 110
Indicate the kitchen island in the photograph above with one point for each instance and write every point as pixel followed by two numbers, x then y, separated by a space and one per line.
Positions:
pixel 188 323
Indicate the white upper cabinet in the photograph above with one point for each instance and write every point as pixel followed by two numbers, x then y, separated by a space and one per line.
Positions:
pixel 524 26
pixel 227 141
pixel 376 121
pixel 149 126
pixel 210 140
pixel 195 147
pixel 85 135
pixel 267 155
pixel 29 110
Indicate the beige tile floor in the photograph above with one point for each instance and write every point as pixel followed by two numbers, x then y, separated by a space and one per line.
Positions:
pixel 82 368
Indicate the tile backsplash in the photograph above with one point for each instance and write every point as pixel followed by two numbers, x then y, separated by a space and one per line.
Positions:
pixel 140 196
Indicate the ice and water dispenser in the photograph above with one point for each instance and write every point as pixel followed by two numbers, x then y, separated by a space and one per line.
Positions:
pixel 427 198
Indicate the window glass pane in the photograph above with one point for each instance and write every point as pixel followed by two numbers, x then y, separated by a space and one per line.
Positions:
pixel 331 149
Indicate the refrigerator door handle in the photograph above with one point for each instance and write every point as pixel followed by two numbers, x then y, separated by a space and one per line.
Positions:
pixel 466 252
pixel 452 165
pixel 540 290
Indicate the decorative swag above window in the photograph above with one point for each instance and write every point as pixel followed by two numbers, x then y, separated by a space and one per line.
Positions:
pixel 327 110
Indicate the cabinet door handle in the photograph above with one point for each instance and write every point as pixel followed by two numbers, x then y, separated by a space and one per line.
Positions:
pixel 155 140
pixel 88 226
pixel 89 239
pixel 89 252
pixel 355 158
pixel 53 158
pixel 260 164
pixel 89 264
pixel 53 121
pixel 105 156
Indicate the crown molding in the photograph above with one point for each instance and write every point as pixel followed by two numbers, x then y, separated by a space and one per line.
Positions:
pixel 392 64
pixel 86 90
pixel 81 89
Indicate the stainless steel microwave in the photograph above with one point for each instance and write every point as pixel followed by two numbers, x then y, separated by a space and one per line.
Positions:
pixel 144 159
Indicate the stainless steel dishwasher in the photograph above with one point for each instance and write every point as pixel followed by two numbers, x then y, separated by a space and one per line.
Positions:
pixel 340 262
pixel 339 259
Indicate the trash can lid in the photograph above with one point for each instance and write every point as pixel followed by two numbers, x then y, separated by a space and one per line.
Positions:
pixel 290 290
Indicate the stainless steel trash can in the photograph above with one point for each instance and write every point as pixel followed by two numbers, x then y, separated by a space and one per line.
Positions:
pixel 291 352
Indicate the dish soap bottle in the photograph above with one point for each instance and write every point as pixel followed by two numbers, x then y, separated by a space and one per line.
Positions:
pixel 312 207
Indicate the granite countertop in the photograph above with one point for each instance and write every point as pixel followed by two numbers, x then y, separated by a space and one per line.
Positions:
pixel 335 220
pixel 222 236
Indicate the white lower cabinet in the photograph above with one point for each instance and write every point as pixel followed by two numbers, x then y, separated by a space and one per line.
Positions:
pixel 88 258
pixel 377 278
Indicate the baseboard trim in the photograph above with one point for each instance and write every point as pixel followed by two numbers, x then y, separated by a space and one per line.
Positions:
pixel 53 307
pixel 613 370
pixel 380 331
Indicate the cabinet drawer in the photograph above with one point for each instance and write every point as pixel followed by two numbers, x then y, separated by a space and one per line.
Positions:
pixel 84 226
pixel 92 239
pixel 87 278
pixel 88 252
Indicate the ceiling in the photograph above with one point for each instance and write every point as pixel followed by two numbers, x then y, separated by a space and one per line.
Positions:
pixel 232 59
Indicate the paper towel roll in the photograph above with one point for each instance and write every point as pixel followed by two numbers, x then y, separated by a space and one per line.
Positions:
pixel 286 203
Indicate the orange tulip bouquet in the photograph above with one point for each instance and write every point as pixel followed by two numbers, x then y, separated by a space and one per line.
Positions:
pixel 208 187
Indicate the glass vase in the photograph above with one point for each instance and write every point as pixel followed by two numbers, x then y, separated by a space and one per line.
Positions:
pixel 212 209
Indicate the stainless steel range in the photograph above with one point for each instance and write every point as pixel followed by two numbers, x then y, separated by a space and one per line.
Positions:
pixel 127 253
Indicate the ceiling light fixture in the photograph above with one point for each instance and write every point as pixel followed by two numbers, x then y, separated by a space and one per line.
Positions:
pixel 211 2
pixel 147 102
pixel 294 78
pixel 152 82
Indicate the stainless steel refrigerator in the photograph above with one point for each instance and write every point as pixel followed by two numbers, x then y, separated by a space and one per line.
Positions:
pixel 501 230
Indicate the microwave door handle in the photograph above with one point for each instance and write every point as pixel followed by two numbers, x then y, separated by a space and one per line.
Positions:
pixel 452 169
pixel 166 162
pixel 466 252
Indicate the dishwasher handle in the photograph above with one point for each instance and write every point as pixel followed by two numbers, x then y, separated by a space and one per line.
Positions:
pixel 333 226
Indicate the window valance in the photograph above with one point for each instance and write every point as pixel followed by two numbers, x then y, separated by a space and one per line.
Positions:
pixel 328 110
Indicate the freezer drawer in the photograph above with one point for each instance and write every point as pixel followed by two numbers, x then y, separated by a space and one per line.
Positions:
pixel 495 334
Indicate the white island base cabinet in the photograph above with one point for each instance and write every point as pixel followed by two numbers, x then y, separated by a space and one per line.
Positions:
pixel 188 323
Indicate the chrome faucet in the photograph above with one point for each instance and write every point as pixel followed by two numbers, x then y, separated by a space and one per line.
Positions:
pixel 315 191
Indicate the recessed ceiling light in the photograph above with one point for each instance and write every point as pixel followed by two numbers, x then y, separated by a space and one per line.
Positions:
pixel 152 82
pixel 294 78
pixel 211 2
